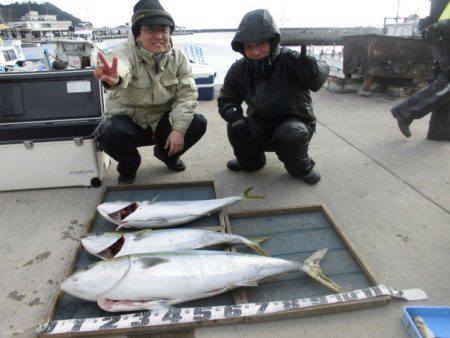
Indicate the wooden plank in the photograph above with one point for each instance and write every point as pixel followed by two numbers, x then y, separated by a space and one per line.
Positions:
pixel 281 315
pixel 361 262
pixel 221 212
pixel 265 212
pixel 239 295
pixel 171 334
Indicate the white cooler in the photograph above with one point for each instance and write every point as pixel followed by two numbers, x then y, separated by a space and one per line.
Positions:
pixel 47 130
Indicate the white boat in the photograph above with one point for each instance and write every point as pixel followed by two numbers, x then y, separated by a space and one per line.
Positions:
pixel 11 54
pixel 62 53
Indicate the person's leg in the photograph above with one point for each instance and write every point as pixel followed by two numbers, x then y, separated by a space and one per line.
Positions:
pixel 422 103
pixel 439 129
pixel 290 141
pixel 194 133
pixel 248 147
pixel 119 137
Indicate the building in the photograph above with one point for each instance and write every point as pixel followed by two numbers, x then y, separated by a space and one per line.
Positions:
pixel 34 25
pixel 83 30
pixel 120 32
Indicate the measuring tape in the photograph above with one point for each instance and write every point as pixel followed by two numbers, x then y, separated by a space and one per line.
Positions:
pixel 171 316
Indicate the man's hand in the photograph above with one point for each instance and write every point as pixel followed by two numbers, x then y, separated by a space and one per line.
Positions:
pixel 106 73
pixel 175 142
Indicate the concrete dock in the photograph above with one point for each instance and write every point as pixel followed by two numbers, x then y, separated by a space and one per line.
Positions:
pixel 390 195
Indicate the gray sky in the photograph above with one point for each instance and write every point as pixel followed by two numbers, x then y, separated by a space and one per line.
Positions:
pixel 228 13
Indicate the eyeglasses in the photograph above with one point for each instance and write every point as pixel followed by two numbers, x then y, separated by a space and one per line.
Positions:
pixel 156 29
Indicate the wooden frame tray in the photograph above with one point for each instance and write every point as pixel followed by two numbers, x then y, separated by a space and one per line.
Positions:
pixel 244 304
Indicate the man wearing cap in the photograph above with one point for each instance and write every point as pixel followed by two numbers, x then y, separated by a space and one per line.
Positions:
pixel 275 84
pixel 151 95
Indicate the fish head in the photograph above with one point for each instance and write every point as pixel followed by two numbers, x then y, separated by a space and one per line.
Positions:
pixel 115 212
pixel 95 280
pixel 104 246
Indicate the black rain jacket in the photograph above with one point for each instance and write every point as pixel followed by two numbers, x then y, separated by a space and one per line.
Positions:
pixel 274 88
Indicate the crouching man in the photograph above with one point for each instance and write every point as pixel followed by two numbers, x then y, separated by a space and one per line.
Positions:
pixel 151 95
pixel 275 84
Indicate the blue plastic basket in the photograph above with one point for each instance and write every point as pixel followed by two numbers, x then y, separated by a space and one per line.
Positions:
pixel 436 318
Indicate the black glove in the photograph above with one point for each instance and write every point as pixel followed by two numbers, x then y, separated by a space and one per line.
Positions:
pixel 308 68
pixel 232 114
pixel 239 129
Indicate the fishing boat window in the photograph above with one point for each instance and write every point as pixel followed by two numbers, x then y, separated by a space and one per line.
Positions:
pixel 73 48
pixel 6 56
pixel 9 55
pixel 12 54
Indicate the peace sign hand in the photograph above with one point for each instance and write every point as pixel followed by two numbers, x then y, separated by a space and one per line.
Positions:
pixel 107 73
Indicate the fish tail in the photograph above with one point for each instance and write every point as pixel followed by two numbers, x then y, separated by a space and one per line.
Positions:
pixel 311 266
pixel 259 240
pixel 254 245
pixel 246 194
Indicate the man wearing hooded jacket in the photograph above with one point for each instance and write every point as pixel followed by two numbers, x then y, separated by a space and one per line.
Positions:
pixel 151 95
pixel 275 84
pixel 436 96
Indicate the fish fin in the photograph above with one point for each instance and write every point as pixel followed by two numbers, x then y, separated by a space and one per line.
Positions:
pixel 138 235
pixel 246 194
pixel 131 305
pixel 254 246
pixel 149 261
pixel 311 266
pixel 247 283
pixel 258 249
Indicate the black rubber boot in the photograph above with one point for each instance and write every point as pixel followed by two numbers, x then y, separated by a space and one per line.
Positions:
pixel 177 165
pixel 125 180
pixel 312 178
pixel 234 165
pixel 403 124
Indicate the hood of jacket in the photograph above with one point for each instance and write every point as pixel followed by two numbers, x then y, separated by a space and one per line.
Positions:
pixel 257 25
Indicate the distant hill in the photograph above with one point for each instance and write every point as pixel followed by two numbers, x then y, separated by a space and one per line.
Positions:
pixel 13 12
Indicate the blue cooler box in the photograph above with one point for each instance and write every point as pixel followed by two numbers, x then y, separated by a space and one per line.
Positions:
pixel 436 318
pixel 204 79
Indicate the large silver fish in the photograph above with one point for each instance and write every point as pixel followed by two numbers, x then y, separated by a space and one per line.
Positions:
pixel 117 244
pixel 155 214
pixel 149 281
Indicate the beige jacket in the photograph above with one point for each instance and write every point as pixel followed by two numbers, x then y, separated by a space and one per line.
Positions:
pixel 149 89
